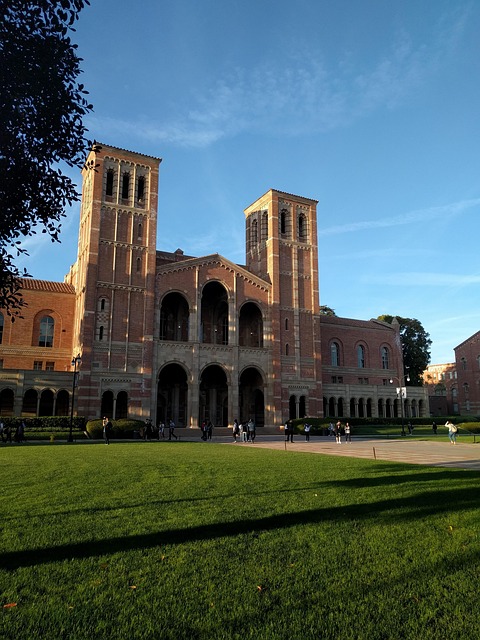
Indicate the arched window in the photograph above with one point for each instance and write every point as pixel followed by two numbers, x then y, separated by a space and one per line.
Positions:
pixel 287 349
pixel 254 232
pixel 100 333
pixel 140 189
pixel 125 185
pixel 1 327
pixel 103 304
pixel 140 231
pixel 283 221
pixel 45 338
pixel 385 358
pixel 361 356
pixel 139 265
pixel 109 185
pixel 264 225
pixel 335 354
pixel 286 324
pixel 464 363
pixel 302 228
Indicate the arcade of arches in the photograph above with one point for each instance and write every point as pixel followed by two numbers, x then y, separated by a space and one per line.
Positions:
pixel 364 408
pixel 177 395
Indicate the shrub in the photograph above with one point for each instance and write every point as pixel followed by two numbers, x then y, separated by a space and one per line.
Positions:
pixel 121 428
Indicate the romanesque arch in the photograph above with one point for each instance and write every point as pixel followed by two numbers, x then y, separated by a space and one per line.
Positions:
pixel 213 401
pixel 174 317
pixel 250 326
pixel 7 399
pixel 172 395
pixel 214 314
pixel 251 396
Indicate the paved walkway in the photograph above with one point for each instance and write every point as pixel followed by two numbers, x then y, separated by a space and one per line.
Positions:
pixel 435 454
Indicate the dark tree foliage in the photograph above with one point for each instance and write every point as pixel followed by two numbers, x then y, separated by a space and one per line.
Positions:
pixel 327 311
pixel 415 347
pixel 41 126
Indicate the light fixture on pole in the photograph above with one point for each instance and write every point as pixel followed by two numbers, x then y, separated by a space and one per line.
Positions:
pixel 76 361
pixel 401 395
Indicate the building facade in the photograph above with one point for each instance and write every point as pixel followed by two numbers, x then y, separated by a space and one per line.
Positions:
pixel 442 387
pixel 467 359
pixel 165 335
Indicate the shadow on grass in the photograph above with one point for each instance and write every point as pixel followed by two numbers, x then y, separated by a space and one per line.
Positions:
pixel 397 477
pixel 394 511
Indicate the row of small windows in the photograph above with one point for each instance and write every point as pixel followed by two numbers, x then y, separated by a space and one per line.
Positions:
pixel 125 186
pixel 335 356
pixel 302 225
pixel 463 362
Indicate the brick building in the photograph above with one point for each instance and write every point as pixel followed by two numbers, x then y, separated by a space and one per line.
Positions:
pixel 165 335
pixel 442 388
pixel 467 359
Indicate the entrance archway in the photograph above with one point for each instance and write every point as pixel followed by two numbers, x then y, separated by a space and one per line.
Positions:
pixel 214 396
pixel 251 397
pixel 172 395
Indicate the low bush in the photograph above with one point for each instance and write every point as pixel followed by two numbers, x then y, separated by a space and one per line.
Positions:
pixel 121 428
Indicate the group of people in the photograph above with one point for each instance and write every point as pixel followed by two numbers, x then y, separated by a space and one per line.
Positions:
pixel 339 429
pixel 158 432
pixel 245 431
pixel 6 432
pixel 206 430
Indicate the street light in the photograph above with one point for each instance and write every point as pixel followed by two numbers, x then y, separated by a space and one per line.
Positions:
pixel 76 361
pixel 402 394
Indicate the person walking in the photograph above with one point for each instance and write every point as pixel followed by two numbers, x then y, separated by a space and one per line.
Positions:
pixel 107 427
pixel 338 432
pixel 161 430
pixel 236 430
pixel 251 430
pixel 306 429
pixel 452 431
pixel 209 430
pixel 171 430
pixel 2 437
pixel 434 428
pixel 348 433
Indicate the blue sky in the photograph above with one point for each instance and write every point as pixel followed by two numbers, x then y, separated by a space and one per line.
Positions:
pixel 370 107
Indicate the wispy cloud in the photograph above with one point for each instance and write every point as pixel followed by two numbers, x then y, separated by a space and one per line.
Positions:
pixel 413 217
pixel 423 279
pixel 301 93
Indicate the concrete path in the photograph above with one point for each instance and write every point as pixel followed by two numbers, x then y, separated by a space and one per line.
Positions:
pixel 435 454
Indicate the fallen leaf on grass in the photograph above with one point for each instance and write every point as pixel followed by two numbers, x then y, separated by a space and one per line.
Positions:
pixel 9 605
pixel 133 586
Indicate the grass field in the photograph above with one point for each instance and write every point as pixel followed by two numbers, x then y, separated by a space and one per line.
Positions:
pixel 187 540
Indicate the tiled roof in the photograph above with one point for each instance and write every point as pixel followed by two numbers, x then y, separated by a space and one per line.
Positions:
pixel 354 323
pixel 45 285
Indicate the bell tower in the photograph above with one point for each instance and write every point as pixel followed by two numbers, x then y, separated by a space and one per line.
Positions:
pixel 281 247
pixel 114 279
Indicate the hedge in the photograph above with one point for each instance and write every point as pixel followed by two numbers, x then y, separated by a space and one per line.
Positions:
pixel 121 428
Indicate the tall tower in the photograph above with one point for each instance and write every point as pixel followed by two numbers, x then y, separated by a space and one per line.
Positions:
pixel 281 243
pixel 114 279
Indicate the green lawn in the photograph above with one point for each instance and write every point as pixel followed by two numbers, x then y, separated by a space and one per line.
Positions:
pixel 186 540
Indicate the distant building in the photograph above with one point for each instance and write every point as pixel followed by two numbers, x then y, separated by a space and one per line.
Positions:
pixel 165 335
pixel 467 359
pixel 441 383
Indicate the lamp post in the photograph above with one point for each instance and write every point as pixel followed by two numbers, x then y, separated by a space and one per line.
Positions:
pixel 402 394
pixel 76 361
